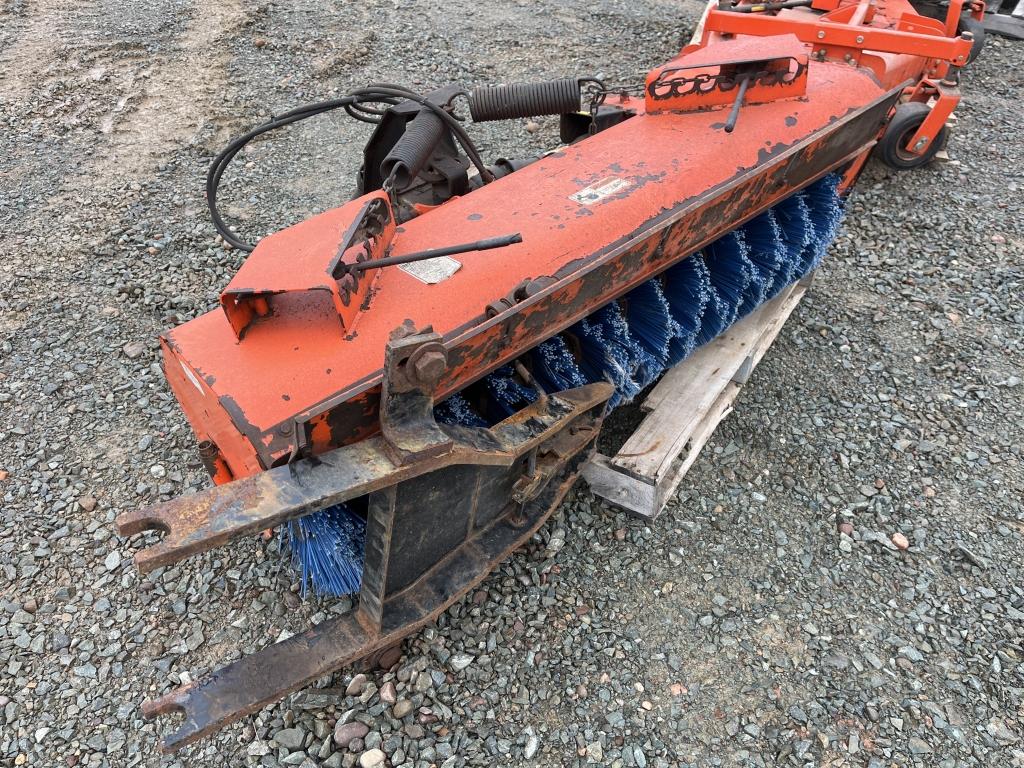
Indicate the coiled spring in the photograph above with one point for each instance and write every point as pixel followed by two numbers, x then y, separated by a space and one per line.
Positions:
pixel 505 102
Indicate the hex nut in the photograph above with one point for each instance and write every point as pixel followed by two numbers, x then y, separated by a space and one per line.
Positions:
pixel 427 365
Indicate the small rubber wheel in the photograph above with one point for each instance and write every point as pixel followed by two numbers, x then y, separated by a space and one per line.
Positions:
pixel 976 28
pixel 891 148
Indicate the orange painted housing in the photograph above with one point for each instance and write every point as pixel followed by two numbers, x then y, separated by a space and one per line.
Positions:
pixel 289 364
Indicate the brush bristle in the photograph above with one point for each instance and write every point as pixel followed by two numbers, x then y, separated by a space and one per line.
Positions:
pixel 687 288
pixel 457 410
pixel 731 275
pixel 768 253
pixel 506 393
pixel 327 550
pixel 651 326
pixel 597 361
pixel 554 367
pixel 825 212
pixel 794 219
pixel 624 348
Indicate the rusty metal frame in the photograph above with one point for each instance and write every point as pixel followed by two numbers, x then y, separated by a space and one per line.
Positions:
pixel 844 29
pixel 351 414
pixel 257 680
pixel 210 518
pixel 947 97
pixel 511 478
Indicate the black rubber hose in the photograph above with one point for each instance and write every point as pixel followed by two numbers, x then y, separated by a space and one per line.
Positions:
pixel 221 162
pixel 355 104
pixel 505 102
pixel 413 149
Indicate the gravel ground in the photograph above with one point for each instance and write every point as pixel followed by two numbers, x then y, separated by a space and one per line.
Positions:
pixel 840 583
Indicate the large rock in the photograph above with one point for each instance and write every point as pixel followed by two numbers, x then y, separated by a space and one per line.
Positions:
pixel 290 738
pixel 344 733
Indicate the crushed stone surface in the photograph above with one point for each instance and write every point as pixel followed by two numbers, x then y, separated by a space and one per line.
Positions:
pixel 840 581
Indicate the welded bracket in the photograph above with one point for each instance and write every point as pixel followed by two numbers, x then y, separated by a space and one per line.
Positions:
pixel 361 230
pixel 729 72
pixel 946 96
pixel 413 365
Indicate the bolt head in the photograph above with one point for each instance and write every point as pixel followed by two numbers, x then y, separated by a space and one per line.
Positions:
pixel 429 366
pixel 821 35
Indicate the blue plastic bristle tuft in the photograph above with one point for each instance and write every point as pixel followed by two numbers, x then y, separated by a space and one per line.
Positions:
pixel 687 288
pixel 765 248
pixel 731 274
pixel 794 219
pixel 506 393
pixel 737 258
pixel 457 410
pixel 651 326
pixel 825 208
pixel 623 348
pixel 596 360
pixel 327 550
pixel 554 367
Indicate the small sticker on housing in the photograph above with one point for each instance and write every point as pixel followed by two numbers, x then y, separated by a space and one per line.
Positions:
pixel 431 271
pixel 600 190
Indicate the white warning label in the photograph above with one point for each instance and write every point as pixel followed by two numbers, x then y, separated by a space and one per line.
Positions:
pixel 432 271
pixel 600 190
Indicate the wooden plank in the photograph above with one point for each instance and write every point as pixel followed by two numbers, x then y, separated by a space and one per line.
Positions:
pixel 634 494
pixel 684 410
pixel 687 392
pixel 705 429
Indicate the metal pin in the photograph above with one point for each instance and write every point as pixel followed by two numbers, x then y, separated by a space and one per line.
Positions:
pixel 730 124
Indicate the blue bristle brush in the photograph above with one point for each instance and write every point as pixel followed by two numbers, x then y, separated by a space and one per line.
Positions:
pixel 327 550
pixel 731 274
pixel 687 288
pixel 767 252
pixel 651 326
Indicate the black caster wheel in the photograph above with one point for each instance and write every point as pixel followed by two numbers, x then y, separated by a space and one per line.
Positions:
pixel 891 148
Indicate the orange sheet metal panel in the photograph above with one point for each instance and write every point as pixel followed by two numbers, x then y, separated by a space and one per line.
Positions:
pixel 634 180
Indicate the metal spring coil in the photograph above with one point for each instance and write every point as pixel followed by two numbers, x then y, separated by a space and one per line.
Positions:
pixel 412 151
pixel 505 102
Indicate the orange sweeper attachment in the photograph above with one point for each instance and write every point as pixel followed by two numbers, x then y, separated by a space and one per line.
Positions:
pixel 408 384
